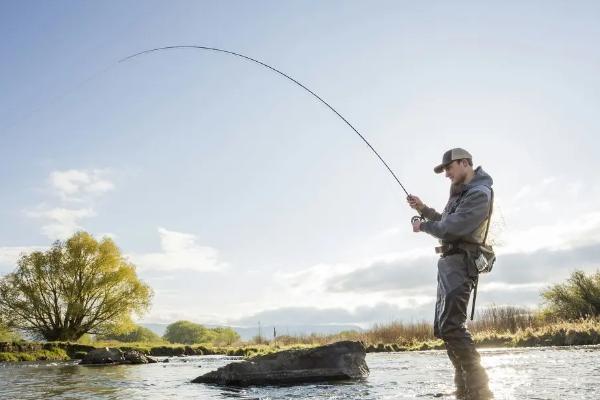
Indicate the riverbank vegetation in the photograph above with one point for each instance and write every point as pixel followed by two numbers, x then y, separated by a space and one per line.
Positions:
pixel 382 338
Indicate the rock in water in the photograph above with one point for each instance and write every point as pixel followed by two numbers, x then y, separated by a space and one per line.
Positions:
pixel 103 356
pixel 337 361
pixel 115 356
pixel 135 357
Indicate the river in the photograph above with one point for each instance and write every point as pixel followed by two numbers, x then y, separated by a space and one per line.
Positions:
pixel 531 373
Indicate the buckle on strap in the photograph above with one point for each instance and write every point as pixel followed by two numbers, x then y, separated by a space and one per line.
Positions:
pixel 443 249
pixel 447 249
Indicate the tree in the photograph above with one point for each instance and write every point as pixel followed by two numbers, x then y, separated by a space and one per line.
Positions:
pixel 78 286
pixel 579 297
pixel 137 334
pixel 187 332
pixel 190 333
pixel 225 336
pixel 7 335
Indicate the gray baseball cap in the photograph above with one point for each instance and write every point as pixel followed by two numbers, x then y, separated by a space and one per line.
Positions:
pixel 452 155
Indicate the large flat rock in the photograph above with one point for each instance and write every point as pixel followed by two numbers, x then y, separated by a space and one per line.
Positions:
pixel 337 361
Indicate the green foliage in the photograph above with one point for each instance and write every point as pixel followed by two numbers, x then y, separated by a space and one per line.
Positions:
pixel 225 336
pixel 77 286
pixel 138 334
pixel 578 298
pixel 8 335
pixel 48 355
pixel 87 339
pixel 187 332
pixel 8 357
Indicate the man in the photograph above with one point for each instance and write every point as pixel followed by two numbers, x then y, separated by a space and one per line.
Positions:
pixel 460 227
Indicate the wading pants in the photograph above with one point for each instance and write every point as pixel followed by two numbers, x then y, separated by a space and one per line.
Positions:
pixel 455 283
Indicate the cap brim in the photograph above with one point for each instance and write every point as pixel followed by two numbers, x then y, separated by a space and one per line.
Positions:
pixel 439 169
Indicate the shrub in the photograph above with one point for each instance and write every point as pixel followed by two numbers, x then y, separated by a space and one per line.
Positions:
pixel 578 298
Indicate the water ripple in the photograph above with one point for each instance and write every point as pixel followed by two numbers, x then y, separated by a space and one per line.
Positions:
pixel 535 373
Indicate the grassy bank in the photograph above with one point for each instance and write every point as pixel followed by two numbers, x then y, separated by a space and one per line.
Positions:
pixel 382 338
pixel 60 351
pixel 36 355
pixel 402 337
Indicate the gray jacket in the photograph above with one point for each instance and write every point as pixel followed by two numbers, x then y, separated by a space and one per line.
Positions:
pixel 464 218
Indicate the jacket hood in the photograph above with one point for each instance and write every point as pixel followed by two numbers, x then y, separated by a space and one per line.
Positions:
pixel 480 178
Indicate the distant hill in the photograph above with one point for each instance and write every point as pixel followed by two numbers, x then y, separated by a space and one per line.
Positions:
pixel 247 333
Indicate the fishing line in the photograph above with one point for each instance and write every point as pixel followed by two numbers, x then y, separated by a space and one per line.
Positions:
pixel 56 98
pixel 284 75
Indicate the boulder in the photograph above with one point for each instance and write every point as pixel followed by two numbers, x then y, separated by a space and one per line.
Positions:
pixel 343 360
pixel 136 357
pixel 116 356
pixel 103 356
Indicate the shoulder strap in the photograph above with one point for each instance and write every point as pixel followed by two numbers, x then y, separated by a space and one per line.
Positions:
pixel 489 219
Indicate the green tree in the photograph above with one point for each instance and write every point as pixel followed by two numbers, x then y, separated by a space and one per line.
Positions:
pixel 78 286
pixel 225 336
pixel 579 297
pixel 137 334
pixel 8 335
pixel 188 333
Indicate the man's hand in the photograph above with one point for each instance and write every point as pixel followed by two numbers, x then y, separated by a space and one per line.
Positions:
pixel 415 202
pixel 417 225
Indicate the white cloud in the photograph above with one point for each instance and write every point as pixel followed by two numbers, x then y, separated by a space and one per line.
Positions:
pixel 180 251
pixel 561 233
pixel 10 255
pixel 73 183
pixel 363 315
pixel 60 223
pixel 167 315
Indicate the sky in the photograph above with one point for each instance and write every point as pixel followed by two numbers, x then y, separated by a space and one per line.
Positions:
pixel 241 198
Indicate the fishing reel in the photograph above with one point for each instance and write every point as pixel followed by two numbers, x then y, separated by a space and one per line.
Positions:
pixel 417 218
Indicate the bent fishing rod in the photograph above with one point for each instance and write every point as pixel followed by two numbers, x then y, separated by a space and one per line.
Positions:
pixel 214 49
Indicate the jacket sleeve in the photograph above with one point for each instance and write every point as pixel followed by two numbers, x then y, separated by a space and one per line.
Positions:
pixel 469 214
pixel 431 214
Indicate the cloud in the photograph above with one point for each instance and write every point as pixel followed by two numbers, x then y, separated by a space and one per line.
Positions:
pixel 362 315
pixel 545 265
pixel 518 276
pixel 60 223
pixel 538 254
pixel 167 315
pixel 73 183
pixel 561 234
pixel 10 255
pixel 402 274
pixel 500 293
pixel 180 251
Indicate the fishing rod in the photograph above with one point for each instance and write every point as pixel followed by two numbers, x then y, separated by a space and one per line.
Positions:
pixel 419 217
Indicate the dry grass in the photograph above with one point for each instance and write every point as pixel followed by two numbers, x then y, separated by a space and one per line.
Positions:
pixel 502 319
pixel 498 326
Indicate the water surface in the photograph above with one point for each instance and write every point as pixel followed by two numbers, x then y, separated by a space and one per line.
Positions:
pixel 535 373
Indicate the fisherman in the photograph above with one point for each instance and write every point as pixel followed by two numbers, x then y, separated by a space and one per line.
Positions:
pixel 461 227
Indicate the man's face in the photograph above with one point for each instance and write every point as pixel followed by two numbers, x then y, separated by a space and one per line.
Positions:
pixel 456 171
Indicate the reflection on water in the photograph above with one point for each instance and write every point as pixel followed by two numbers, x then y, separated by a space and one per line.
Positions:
pixel 543 373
